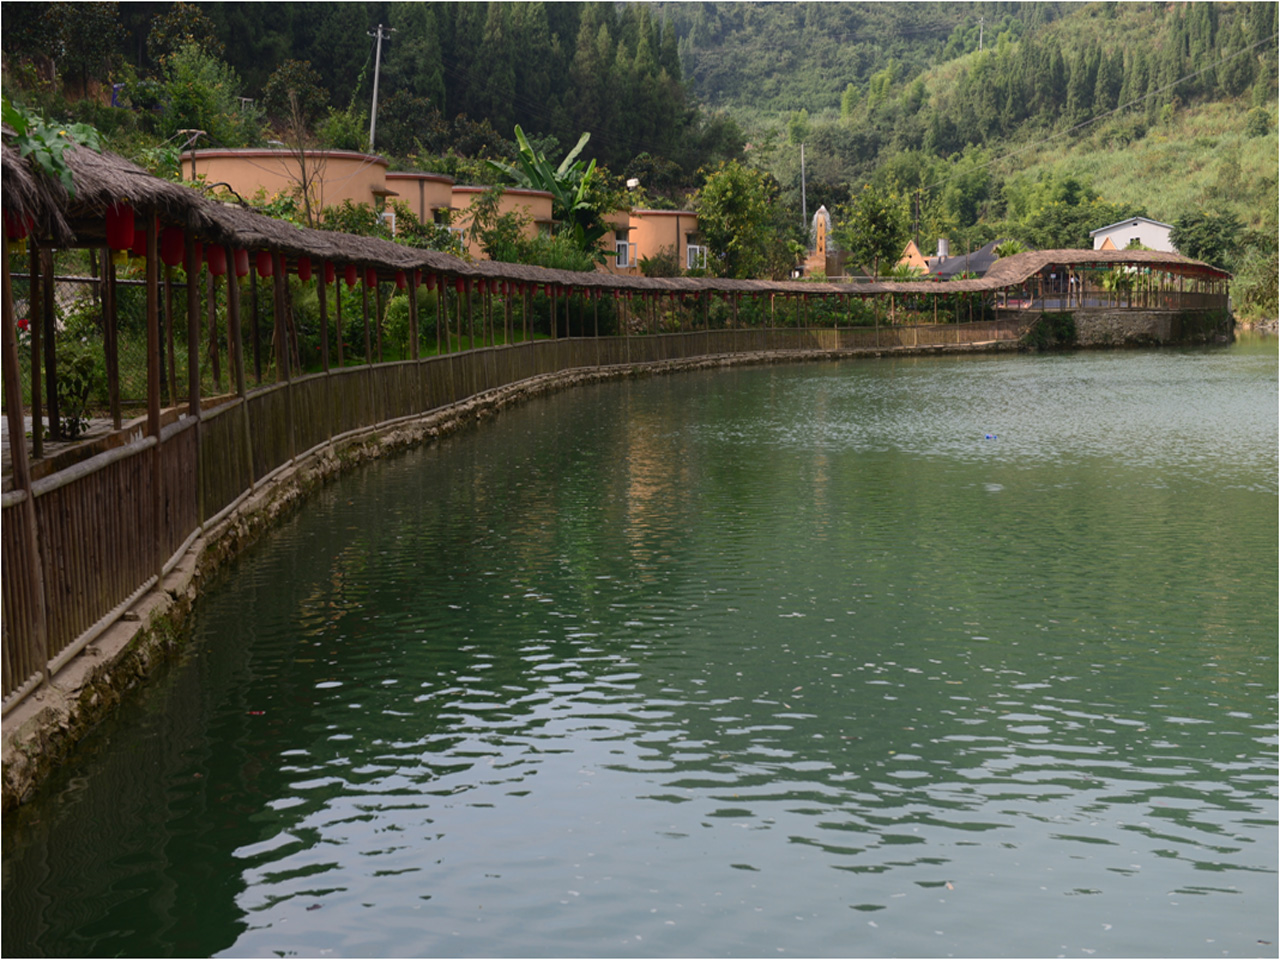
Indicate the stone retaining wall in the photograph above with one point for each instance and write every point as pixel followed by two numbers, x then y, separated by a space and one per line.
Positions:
pixel 1120 327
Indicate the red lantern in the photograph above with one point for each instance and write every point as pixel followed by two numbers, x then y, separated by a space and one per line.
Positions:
pixel 459 284
pixel 18 227
pixel 329 273
pixel 139 246
pixel 370 277
pixel 350 274
pixel 265 263
pixel 119 226
pixel 304 269
pixel 495 287
pixel 217 260
pixel 171 246
pixel 242 263
pixel 401 283
pixel 431 281
pixel 548 291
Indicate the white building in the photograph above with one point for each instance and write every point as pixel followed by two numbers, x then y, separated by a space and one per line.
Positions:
pixel 1152 234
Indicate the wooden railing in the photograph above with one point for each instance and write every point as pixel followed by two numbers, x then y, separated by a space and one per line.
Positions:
pixel 108 528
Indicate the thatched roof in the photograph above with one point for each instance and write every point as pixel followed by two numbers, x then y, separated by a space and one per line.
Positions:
pixel 104 179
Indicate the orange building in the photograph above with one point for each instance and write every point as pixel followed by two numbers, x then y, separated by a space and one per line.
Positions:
pixel 642 234
pixel 534 204
pixel 912 257
pixel 337 175
pixel 428 195
pixel 332 176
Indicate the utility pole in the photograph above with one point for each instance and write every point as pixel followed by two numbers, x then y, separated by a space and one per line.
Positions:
pixel 804 203
pixel 981 22
pixel 377 65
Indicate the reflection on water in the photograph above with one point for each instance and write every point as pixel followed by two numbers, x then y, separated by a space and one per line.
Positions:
pixel 749 662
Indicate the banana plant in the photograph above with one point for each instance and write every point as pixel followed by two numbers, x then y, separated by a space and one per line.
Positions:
pixel 568 185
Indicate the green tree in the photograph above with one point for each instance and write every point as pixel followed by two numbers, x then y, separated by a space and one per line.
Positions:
pixel 203 93
pixel 88 37
pixel 873 227
pixel 734 218
pixel 415 62
pixel 182 25
pixel 294 94
pixel 1214 238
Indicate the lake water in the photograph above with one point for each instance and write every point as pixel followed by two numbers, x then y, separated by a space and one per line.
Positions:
pixel 915 657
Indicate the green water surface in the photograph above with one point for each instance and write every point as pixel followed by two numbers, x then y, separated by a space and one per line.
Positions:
pixel 917 657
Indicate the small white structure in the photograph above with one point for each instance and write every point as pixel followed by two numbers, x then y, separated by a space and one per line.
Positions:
pixel 1152 234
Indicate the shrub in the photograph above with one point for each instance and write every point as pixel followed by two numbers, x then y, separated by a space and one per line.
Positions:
pixel 1050 331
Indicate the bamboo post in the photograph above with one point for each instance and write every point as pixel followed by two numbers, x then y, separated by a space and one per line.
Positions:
pixel 155 354
pixel 168 334
pixel 442 318
pixel 458 297
pixel 235 347
pixel 471 319
pixel 20 463
pixel 253 321
pixel 508 328
pixel 377 315
pixel 278 309
pixel 322 295
pixel 34 311
pixel 279 294
pixel 413 316
pixel 337 317
pixel 50 330
pixel 486 315
pixel 111 330
pixel 154 344
pixel 211 302
pixel 364 306
pixel 193 325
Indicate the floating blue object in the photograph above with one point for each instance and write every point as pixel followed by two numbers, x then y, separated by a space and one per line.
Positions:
pixel 991 436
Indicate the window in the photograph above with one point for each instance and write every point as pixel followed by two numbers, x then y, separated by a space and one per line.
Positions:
pixel 626 253
pixel 695 257
pixel 389 218
pixel 460 233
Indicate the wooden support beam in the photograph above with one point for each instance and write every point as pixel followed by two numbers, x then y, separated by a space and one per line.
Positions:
pixel 364 306
pixel 50 324
pixel 279 293
pixel 235 345
pixel 39 638
pixel 169 328
pixel 211 309
pixel 111 338
pixel 193 324
pixel 322 296
pixel 413 316
pixel 377 316
pixel 337 315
